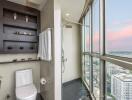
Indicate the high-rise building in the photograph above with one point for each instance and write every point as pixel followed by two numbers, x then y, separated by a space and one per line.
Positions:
pixel 112 70
pixel 121 86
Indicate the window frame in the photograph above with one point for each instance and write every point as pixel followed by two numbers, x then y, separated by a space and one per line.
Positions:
pixel 117 60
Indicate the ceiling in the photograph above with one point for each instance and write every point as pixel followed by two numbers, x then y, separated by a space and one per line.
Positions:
pixel 71 9
pixel 38 4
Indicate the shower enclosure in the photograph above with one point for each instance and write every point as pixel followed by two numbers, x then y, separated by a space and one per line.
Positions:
pixel 72 88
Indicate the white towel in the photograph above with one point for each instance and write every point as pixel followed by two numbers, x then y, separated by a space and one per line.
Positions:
pixel 44 50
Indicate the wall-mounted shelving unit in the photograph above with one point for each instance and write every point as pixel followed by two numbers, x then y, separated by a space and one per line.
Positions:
pixel 19 28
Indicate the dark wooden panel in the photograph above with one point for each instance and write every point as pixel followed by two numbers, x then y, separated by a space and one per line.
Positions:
pixel 19 38
pixel 19 28
pixel 21 47
pixel 38 24
pixel 1 25
pixel 12 30
pixel 19 16
pixel 20 8
pixel 19 23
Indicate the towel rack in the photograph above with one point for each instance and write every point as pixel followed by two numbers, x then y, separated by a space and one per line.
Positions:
pixel 44 50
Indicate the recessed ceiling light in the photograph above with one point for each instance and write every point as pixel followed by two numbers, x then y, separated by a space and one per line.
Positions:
pixel 67 14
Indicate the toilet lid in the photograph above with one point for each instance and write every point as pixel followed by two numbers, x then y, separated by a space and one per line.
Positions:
pixel 26 91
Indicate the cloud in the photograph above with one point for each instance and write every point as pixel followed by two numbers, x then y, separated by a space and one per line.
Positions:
pixel 119 40
pixel 95 41
pixel 119 34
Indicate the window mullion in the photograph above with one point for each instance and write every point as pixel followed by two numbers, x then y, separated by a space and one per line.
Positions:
pixel 102 50
pixel 91 50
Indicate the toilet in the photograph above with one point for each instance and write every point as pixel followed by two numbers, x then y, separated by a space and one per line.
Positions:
pixel 25 89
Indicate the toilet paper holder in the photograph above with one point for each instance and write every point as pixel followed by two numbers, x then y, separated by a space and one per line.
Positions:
pixel 43 81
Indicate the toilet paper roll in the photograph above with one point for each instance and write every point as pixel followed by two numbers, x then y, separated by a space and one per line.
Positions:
pixel 43 81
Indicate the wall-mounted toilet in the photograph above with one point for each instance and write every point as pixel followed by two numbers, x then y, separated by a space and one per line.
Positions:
pixel 25 89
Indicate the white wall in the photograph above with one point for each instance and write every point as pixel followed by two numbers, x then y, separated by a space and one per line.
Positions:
pixel 71 45
pixel 7 72
pixel 57 50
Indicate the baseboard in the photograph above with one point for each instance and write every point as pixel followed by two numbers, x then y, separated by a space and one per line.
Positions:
pixel 71 82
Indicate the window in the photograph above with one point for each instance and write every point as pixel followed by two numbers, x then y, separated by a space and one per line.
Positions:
pixel 95 26
pixel 86 49
pixel 87 69
pixel 118 82
pixel 83 66
pixel 119 27
pixel 87 32
pixel 96 78
pixel 115 71
pixel 83 36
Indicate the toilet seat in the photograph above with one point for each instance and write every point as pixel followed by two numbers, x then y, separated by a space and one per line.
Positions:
pixel 26 92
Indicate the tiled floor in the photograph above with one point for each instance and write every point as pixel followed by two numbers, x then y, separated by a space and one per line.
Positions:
pixel 75 91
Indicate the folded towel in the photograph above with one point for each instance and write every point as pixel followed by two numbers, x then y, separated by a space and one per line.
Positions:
pixel 44 50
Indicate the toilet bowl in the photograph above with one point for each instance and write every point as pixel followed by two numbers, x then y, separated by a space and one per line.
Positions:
pixel 25 89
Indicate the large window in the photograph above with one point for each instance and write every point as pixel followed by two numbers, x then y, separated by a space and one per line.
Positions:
pixel 83 67
pixel 83 35
pixel 86 48
pixel 87 68
pixel 107 50
pixel 96 78
pixel 118 82
pixel 87 32
pixel 119 27
pixel 95 26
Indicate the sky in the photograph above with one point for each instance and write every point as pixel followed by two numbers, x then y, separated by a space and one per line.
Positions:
pixel 118 25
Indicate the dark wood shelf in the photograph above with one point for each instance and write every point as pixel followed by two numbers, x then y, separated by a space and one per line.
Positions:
pixel 20 24
pixel 20 38
pixel 19 28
